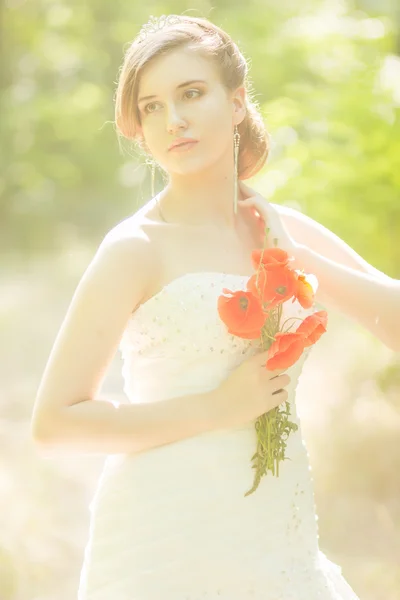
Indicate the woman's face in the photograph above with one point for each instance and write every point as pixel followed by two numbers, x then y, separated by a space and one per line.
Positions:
pixel 202 110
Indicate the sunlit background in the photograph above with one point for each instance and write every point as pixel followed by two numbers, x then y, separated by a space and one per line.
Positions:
pixel 327 77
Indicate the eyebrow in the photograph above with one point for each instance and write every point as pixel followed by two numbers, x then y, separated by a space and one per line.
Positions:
pixel 181 85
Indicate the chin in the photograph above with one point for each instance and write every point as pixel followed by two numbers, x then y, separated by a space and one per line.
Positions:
pixel 193 167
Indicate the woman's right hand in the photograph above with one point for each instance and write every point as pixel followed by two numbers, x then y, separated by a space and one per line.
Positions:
pixel 251 390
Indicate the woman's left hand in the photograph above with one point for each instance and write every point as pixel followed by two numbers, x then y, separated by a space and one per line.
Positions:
pixel 269 218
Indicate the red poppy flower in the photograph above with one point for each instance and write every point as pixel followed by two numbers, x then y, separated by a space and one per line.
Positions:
pixel 285 350
pixel 304 292
pixel 313 327
pixel 270 258
pixel 273 286
pixel 242 313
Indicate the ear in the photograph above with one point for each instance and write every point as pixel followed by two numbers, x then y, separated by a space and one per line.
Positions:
pixel 239 105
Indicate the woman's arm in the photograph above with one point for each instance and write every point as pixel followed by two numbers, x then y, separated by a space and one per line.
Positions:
pixel 104 427
pixel 67 413
pixel 346 281
pixel 372 301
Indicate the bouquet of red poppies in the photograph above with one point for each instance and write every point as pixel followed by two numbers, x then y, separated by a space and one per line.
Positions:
pixel 256 313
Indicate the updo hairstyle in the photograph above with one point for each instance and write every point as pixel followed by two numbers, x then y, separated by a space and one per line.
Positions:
pixel 199 34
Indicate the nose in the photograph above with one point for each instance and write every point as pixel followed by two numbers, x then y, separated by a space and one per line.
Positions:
pixel 175 121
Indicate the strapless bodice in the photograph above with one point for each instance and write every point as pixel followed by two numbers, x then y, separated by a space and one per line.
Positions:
pixel 173 522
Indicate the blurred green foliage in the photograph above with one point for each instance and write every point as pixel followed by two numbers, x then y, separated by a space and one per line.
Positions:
pixel 325 74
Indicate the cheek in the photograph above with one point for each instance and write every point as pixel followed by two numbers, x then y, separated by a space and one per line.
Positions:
pixel 152 129
pixel 218 118
pixel 216 130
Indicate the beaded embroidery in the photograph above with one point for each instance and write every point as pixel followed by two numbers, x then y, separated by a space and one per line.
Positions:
pixel 172 522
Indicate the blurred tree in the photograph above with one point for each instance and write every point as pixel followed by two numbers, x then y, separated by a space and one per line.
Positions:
pixel 324 73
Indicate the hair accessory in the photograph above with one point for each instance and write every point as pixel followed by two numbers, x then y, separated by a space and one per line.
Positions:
pixel 155 24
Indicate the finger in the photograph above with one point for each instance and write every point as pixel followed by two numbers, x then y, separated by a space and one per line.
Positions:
pixel 246 202
pixel 253 209
pixel 244 185
pixel 246 190
pixel 278 391
pixel 256 212
pixel 278 375
pixel 277 372
pixel 262 358
pixel 250 204
pixel 256 205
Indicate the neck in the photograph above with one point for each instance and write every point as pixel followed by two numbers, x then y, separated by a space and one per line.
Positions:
pixel 204 198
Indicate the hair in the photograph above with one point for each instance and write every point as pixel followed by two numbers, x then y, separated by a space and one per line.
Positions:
pixel 211 42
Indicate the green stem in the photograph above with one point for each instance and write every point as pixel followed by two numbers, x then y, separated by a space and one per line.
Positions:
pixel 291 319
pixel 273 427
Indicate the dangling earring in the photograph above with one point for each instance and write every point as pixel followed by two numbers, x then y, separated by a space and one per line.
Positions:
pixel 236 141
pixel 153 177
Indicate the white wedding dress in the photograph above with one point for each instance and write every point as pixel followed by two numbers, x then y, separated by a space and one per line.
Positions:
pixel 173 523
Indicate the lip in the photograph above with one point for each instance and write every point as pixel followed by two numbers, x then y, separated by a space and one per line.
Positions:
pixel 188 143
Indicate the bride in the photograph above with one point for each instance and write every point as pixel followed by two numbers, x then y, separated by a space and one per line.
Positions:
pixel 170 519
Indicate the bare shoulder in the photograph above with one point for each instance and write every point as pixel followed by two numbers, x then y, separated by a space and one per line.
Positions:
pixel 128 250
pixel 112 286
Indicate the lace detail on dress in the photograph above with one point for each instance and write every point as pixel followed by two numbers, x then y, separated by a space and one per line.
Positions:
pixel 184 313
pixel 186 308
pixel 178 333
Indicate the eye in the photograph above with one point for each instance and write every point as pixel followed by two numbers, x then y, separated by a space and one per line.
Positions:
pixel 193 90
pixel 146 108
